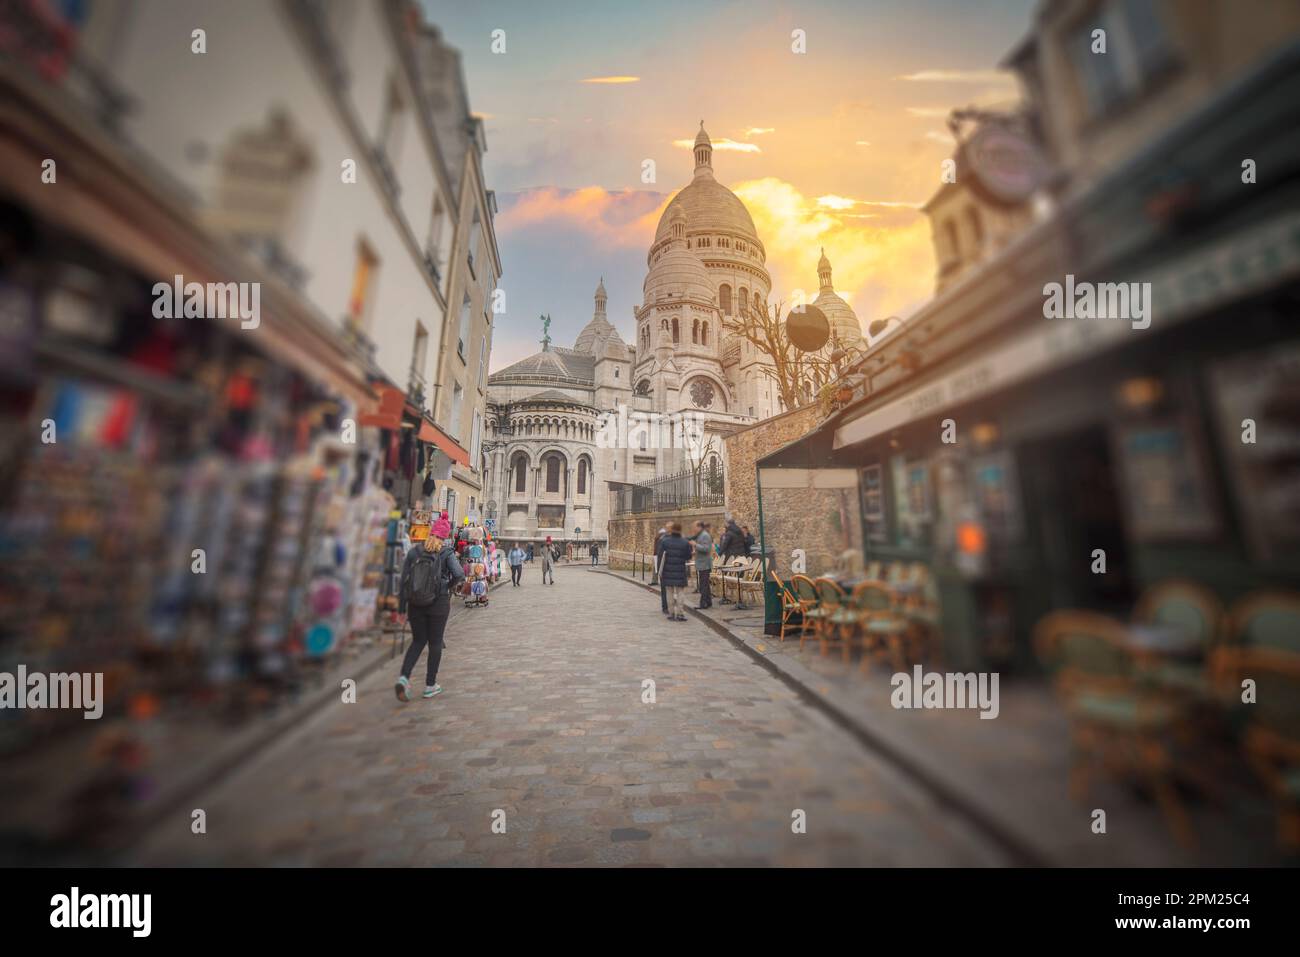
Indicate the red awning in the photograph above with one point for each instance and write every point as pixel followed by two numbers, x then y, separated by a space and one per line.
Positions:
pixel 431 433
pixel 388 414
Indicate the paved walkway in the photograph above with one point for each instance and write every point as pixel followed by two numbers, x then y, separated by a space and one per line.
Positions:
pixel 543 727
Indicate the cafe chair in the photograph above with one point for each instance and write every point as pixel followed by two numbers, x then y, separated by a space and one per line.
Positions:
pixel 1271 724
pixel 751 583
pixel 1193 609
pixel 805 590
pixel 792 605
pixel 884 631
pixel 1117 722
pixel 1268 617
pixel 831 598
pixel 872 571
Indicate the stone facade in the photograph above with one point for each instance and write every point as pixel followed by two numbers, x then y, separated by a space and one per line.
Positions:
pixel 823 523
pixel 746 447
pixel 633 535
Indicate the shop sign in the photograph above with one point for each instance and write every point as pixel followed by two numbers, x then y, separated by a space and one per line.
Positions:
pixel 1006 164
pixel 1218 273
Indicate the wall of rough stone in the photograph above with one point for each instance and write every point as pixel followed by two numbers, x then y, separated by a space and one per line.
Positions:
pixel 824 523
pixel 747 446
pixel 630 535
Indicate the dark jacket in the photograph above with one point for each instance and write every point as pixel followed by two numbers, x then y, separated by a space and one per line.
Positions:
pixel 676 552
pixel 450 568
pixel 733 541
pixel 749 543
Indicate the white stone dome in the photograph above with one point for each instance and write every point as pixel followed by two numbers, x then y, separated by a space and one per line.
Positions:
pixel 707 204
pixel 676 274
pixel 843 320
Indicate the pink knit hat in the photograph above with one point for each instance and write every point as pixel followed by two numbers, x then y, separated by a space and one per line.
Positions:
pixel 442 527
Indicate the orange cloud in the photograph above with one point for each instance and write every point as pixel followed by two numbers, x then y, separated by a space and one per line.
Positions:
pixel 624 217
pixel 612 79
pixel 883 264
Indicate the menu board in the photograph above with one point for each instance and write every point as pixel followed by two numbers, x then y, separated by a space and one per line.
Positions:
pixel 871 483
pixel 1166 484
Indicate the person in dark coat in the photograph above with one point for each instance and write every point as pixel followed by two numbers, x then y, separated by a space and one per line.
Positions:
pixel 749 540
pixel 733 541
pixel 663 592
pixel 676 552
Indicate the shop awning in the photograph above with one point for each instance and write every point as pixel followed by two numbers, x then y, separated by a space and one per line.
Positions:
pixel 1254 258
pixel 388 413
pixel 431 433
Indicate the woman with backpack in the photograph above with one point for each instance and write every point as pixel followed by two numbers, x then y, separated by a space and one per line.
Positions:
pixel 429 575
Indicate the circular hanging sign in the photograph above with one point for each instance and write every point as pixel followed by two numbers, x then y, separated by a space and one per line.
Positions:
pixel 807 328
pixel 1006 166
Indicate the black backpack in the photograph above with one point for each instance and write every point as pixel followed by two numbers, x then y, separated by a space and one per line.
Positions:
pixel 428 577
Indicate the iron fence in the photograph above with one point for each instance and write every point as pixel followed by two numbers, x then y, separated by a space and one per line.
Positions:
pixel 692 488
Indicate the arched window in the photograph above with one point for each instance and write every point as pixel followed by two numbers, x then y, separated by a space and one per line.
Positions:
pixel 695 331
pixel 582 476
pixel 643 387
pixel 758 304
pixel 521 473
pixel 724 298
pixel 552 473
pixel 676 337
pixel 744 301
pixel 704 334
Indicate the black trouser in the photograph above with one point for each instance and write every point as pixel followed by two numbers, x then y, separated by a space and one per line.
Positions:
pixel 663 595
pixel 428 622
pixel 515 572
pixel 706 595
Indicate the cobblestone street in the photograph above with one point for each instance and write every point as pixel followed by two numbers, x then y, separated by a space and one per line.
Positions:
pixel 542 719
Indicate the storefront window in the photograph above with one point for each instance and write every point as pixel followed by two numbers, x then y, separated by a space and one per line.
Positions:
pixel 1258 404
pixel 913 504
pixel 872 485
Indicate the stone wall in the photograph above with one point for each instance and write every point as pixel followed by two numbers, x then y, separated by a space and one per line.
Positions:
pixel 746 447
pixel 630 535
pixel 823 523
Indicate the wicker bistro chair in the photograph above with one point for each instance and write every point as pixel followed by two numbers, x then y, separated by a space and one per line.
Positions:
pixel 831 599
pixel 791 605
pixel 750 586
pixel 1269 617
pixel 1270 734
pixel 805 589
pixel 724 573
pixel 1192 608
pixel 1117 722
pixel 883 629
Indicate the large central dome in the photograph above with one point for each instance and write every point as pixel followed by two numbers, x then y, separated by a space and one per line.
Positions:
pixel 709 206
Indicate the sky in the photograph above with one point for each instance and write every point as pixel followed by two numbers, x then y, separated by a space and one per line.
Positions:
pixel 836 147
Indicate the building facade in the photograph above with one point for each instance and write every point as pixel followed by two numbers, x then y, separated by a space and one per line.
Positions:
pixel 342 156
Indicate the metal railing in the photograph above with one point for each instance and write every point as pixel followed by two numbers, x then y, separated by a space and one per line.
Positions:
pixel 692 488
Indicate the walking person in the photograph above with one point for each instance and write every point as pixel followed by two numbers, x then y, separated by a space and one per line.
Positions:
pixel 595 554
pixel 663 591
pixel 676 552
pixel 548 562
pixel 703 563
pixel 429 575
pixel 749 540
pixel 530 553
pixel 516 558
